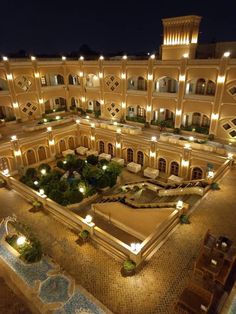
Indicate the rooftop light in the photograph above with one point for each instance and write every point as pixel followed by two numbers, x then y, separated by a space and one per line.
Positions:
pixel 104 167
pixel 88 219
pixel 154 138
pixel 58 117
pixel 152 56
pixel 41 191
pixel 36 182
pixel 49 129
pixel 124 57
pixel 81 58
pixel 180 204
pixel 4 58
pixel 226 54
pixel 101 58
pixel 63 58
pixel 13 137
pixel 185 55
pixel 33 58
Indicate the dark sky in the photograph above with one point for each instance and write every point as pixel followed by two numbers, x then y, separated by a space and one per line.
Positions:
pixel 40 26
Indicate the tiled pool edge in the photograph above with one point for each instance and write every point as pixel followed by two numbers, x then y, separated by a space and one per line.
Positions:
pixel 15 271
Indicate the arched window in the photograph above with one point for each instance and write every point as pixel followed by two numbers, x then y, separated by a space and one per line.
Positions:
pixel 71 143
pixel 196 173
pixel 101 147
pixel 162 165
pixel 42 153
pixel 167 85
pixel 73 80
pixel 62 145
pixel 205 121
pixel 140 158
pixel 141 112
pixel 174 168
pixel 130 155
pixel 196 118
pixel 4 164
pixel 31 157
pixel 200 87
pixel 60 79
pixel 110 149
pixel 211 88
pixel 141 83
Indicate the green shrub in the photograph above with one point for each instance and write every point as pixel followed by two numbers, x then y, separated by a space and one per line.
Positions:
pixel 129 265
pixel 211 137
pixel 31 251
pixel 215 186
pixel 136 119
pixel 84 234
pixel 44 166
pixel 60 164
pixel 37 204
pixel 81 111
pixel 31 173
pixel 89 111
pixel 92 160
pixel 11 118
pixel 73 196
pixel 177 131
pixel 184 219
pixel 97 113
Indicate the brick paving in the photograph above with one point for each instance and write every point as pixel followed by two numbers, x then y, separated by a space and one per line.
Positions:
pixel 158 284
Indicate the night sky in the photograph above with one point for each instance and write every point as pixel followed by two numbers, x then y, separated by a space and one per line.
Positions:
pixel 106 26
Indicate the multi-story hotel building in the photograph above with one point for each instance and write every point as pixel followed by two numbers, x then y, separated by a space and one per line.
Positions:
pixel 196 95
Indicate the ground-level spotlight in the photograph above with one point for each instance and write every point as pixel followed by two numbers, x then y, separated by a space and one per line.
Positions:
pixel 21 240
pixel 88 219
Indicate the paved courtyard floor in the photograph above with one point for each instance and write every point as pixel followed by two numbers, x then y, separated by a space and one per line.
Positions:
pixel 157 286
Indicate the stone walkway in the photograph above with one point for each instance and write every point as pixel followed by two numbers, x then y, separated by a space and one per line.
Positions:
pixel 157 286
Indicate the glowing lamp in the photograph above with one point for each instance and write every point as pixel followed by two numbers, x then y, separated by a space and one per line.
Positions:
pixel 88 219
pixel 21 240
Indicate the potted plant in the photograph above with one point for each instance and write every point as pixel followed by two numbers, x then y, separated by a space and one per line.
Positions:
pixel 184 219
pixel 84 235
pixel 37 205
pixel 2 183
pixel 128 268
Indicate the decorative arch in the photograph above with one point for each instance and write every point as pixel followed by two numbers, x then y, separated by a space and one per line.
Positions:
pixel 162 165
pixel 42 153
pixel 71 142
pixel 140 158
pixel 73 79
pixel 86 141
pixel 31 158
pixel 110 149
pixel 197 173
pixel 174 168
pixel 166 84
pixel 137 83
pixel 62 145
pixel 130 155
pixel 101 147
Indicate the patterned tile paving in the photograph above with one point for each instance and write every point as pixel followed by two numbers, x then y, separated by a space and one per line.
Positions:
pixel 157 286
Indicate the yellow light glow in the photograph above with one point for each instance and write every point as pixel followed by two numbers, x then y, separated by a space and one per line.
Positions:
pixel 185 55
pixel 81 74
pixel 100 75
pixel 178 112
pixel 15 105
pixel 63 58
pixel 92 138
pixel 187 145
pixel 88 219
pixel 150 77
pixel 17 153
pixel 152 56
pixel 185 163
pixel 49 129
pixel 92 125
pixel 123 105
pixel 182 78
pixel 152 154
pixel 4 58
pixel 124 57
pixel 180 204
pixel 118 145
pixel 36 74
pixel 154 138
pixel 149 108
pixel 101 58
pixel 101 101
pixel 214 116
pixel 81 58
pixel 41 101
pixel 13 137
pixel 9 77
pixel 83 99
pixel 21 240
pixel 221 79
pixel 51 142
pixel 123 76
pixel 226 54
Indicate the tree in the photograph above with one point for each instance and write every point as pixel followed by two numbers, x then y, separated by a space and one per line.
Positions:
pixel 73 196
pixel 114 168
pixel 44 166
pixel 31 173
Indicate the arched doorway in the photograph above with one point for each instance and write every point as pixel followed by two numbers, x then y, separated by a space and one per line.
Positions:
pixel 31 159
pixel 71 143
pixel 101 147
pixel 110 149
pixel 174 168
pixel 197 173
pixel 140 158
pixel 86 142
pixel 162 165
pixel 62 145
pixel 42 153
pixel 130 155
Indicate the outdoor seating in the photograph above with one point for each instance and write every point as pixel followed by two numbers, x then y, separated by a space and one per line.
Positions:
pixel 91 152
pixel 151 173
pixel 105 156
pixel 133 167
pixel 81 150
pixel 120 161
pixel 68 152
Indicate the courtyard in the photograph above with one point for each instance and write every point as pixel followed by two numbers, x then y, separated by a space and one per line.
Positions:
pixel 100 274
